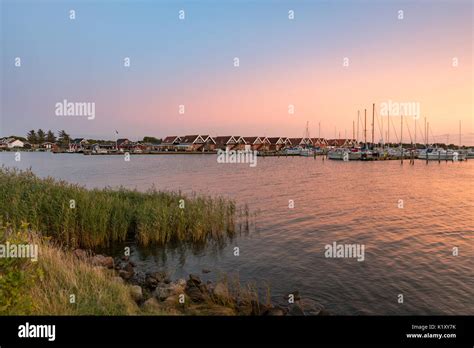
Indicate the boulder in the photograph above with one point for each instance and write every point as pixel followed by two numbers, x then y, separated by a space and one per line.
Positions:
pixel 181 283
pixel 275 311
pixel 151 305
pixel 194 279
pixel 295 310
pixel 128 267
pixel 160 276
pixel 137 293
pixel 195 294
pixel 80 254
pixel 102 261
pixel 124 274
pixel 162 293
pixel 151 282
pixel 118 280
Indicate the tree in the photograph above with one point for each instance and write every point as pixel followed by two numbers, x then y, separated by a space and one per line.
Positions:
pixel 64 138
pixel 40 136
pixel 50 137
pixel 31 136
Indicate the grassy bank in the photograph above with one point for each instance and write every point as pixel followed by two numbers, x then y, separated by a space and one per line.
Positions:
pixel 89 218
pixel 44 287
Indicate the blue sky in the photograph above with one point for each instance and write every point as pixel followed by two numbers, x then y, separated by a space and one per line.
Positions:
pixel 190 62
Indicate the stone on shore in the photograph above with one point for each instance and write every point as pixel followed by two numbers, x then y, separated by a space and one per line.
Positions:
pixel 193 278
pixel 137 293
pixel 124 274
pixel 195 294
pixel 151 305
pixel 80 254
pixel 118 280
pixel 103 261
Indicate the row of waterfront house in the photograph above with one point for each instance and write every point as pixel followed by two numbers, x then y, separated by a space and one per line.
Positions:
pixel 186 143
pixel 15 143
pixel 207 143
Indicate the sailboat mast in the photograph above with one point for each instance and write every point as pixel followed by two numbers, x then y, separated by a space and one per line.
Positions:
pixel 373 123
pixel 415 132
pixel 401 138
pixel 365 127
pixel 388 133
pixel 353 129
pixel 426 137
pixel 358 117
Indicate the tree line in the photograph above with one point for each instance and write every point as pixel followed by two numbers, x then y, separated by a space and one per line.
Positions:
pixel 40 136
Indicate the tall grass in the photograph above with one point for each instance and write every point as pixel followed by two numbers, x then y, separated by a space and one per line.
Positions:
pixel 91 218
pixel 44 287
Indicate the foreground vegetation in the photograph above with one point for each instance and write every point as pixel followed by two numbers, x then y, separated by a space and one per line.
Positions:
pixel 77 216
pixel 44 287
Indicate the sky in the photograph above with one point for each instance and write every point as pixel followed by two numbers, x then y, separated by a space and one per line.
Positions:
pixel 284 65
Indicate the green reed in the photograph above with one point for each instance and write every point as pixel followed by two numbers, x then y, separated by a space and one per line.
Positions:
pixel 98 217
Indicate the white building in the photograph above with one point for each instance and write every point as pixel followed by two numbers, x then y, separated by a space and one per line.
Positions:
pixel 11 143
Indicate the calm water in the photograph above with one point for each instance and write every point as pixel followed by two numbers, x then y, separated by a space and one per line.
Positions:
pixel 407 251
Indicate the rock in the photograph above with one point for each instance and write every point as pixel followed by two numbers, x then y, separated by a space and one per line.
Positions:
pixel 151 305
pixel 205 270
pixel 103 261
pixel 163 291
pixel 80 254
pixel 125 258
pixel 118 280
pixel 195 279
pixel 151 282
pixel 138 278
pixel 124 274
pixel 221 291
pixel 137 293
pixel 171 301
pixel 195 294
pixel 181 283
pixel 128 267
pixel 295 310
pixel 275 311
pixel 160 277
